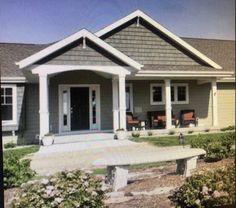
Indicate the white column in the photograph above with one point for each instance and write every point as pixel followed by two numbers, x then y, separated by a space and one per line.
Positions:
pixel 43 105
pixel 115 102
pixel 122 102
pixel 168 104
pixel 214 103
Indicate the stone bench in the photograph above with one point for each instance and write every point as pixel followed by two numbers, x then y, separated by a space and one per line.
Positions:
pixel 118 163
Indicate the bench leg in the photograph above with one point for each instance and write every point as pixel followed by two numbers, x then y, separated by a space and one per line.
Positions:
pixel 117 176
pixel 185 166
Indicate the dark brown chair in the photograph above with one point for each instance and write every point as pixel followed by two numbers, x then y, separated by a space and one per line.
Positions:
pixel 132 121
pixel 187 117
pixel 158 119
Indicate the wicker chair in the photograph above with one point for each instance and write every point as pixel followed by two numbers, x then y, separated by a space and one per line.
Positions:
pixel 187 117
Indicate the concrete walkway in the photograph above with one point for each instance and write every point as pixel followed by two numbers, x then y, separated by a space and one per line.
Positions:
pixel 83 154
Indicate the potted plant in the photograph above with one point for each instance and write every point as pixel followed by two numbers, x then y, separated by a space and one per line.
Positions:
pixel 120 134
pixel 48 139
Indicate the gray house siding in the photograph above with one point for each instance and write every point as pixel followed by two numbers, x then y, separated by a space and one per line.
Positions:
pixel 75 54
pixel 31 114
pixel 148 46
pixel 81 77
pixel 199 100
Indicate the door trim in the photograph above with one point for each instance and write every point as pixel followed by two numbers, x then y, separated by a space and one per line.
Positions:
pixel 98 107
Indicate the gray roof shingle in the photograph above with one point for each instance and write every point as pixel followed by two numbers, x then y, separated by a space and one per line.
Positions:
pixel 220 51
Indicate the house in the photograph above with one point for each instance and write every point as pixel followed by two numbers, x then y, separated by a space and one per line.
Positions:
pixel 87 81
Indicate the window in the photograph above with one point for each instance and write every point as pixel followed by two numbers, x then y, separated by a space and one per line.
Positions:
pixel 179 94
pixel 129 97
pixel 157 94
pixel 8 104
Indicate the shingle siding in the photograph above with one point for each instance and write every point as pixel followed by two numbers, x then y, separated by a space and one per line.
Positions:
pixel 148 46
pixel 75 54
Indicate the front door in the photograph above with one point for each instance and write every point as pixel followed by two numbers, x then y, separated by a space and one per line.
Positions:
pixel 79 97
pixel 79 107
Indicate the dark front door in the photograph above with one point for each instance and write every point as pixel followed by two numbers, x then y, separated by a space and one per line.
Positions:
pixel 79 97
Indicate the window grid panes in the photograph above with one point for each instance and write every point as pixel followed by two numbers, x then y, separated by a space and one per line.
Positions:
pixel 181 92
pixel 157 94
pixel 6 104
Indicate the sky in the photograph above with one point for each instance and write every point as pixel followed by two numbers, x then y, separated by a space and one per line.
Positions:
pixel 45 21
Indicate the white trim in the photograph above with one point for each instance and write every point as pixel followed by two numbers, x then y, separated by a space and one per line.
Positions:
pixel 151 94
pixel 180 75
pixel 223 80
pixel 130 85
pixel 66 41
pixel 61 87
pixel 13 79
pixel 54 69
pixel 169 34
pixel 14 105
pixel 185 72
pixel 175 85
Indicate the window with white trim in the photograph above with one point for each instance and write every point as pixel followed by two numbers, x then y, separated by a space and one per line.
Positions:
pixel 179 94
pixel 8 104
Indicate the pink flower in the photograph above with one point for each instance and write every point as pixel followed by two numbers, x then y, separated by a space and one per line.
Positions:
pixel 216 194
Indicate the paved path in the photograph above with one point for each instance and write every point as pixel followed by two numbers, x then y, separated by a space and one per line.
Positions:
pixel 82 155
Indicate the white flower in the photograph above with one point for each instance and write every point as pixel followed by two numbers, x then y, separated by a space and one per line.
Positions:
pixel 198 201
pixel 44 181
pixel 58 200
pixel 50 187
pixel 94 193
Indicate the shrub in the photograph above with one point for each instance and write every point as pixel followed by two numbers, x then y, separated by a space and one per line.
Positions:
pixel 9 145
pixel 171 132
pixel 216 148
pixel 15 171
pixel 207 130
pixel 207 189
pixel 135 134
pixel 65 189
pixel 150 133
pixel 229 128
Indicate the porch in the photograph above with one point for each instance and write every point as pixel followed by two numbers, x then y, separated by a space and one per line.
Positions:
pixel 106 94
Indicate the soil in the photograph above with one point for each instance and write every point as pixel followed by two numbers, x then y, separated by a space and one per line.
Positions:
pixel 151 179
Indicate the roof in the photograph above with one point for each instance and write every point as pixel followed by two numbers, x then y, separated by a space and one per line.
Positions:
pixel 222 51
pixel 13 52
pixel 85 34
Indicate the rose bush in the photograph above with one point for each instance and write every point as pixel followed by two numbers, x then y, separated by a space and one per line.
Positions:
pixel 65 189
pixel 207 189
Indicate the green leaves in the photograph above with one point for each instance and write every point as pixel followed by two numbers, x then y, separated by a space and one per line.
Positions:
pixel 65 189
pixel 16 171
pixel 208 189
pixel 216 147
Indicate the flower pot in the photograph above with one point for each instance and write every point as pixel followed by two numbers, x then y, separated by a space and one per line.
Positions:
pixel 48 140
pixel 121 135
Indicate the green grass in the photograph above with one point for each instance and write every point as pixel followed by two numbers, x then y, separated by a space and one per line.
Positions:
pixel 171 140
pixel 21 152
pixel 102 171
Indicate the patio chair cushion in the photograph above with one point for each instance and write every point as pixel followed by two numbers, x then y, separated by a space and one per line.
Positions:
pixel 188 116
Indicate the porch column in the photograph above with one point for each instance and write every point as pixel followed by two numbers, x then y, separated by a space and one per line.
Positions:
pixel 43 105
pixel 214 103
pixel 168 104
pixel 115 102
pixel 122 102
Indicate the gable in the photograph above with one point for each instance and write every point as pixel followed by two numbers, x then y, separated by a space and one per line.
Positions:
pixel 75 54
pixel 148 46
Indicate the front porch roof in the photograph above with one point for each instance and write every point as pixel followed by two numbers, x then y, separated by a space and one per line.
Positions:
pixel 85 34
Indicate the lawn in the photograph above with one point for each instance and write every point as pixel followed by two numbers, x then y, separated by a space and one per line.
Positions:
pixel 21 152
pixel 165 141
